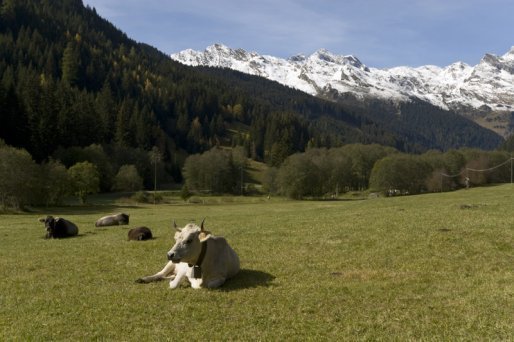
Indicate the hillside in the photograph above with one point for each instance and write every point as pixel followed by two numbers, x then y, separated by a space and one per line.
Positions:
pixel 70 78
pixel 412 126
pixel 483 93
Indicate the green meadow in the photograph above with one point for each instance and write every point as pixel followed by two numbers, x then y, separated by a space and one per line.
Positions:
pixel 428 267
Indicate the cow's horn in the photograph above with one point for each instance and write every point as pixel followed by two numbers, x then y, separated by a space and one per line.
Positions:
pixel 201 225
pixel 175 226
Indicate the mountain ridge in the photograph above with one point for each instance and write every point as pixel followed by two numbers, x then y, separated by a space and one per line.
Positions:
pixel 484 92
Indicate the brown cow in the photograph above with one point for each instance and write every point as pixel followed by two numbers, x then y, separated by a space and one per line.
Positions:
pixel 58 227
pixel 139 234
pixel 113 220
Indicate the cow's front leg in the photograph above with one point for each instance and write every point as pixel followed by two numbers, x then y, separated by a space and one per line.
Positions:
pixel 175 281
pixel 213 283
pixel 166 273
pixel 181 270
pixel 196 283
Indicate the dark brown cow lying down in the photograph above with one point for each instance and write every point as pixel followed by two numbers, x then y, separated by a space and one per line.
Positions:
pixel 140 233
pixel 112 220
pixel 58 227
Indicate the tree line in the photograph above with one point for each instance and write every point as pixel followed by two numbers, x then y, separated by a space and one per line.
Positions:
pixel 322 173
pixel 327 173
pixel 315 173
pixel 76 172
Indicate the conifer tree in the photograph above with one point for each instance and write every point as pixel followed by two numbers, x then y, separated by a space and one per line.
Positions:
pixel 70 64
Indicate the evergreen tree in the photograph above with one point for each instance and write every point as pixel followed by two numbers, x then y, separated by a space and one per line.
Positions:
pixel 71 64
pixel 122 132
pixel 106 108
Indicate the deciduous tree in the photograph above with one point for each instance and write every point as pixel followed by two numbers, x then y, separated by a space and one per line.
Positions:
pixel 85 180
pixel 18 177
pixel 128 179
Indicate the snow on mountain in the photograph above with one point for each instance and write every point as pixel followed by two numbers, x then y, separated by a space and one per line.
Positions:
pixel 490 83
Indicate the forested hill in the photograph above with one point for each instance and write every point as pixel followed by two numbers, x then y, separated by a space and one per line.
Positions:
pixel 413 126
pixel 70 78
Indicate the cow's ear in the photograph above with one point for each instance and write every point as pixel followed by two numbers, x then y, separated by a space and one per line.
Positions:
pixel 41 219
pixel 204 235
pixel 175 227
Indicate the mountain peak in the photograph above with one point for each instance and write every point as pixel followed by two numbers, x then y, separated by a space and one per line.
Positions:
pixel 219 49
pixel 297 58
pixel 324 55
pixel 327 56
pixel 490 59
pixel 509 55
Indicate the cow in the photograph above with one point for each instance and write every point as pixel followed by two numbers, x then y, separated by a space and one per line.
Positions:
pixel 58 227
pixel 176 271
pixel 206 260
pixel 139 234
pixel 112 220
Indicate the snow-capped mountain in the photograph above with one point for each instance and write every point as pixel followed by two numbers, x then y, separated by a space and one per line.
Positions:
pixel 484 92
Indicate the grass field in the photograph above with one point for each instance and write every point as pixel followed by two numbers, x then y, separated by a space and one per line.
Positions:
pixel 429 267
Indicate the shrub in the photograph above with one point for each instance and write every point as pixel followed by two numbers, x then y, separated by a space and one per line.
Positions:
pixel 140 197
pixel 128 179
pixel 299 177
pixel 401 172
pixel 19 178
pixel 185 194
pixel 56 182
pixel 85 180
pixel 213 170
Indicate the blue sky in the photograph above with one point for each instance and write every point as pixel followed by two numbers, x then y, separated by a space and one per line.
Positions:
pixel 381 33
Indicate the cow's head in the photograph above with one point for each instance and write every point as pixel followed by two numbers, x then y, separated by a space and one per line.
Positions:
pixel 188 243
pixel 49 222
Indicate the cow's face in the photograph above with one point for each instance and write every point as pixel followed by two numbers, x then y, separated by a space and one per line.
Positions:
pixel 49 222
pixel 187 246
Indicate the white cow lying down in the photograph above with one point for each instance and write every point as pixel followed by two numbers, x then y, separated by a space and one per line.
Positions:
pixel 206 260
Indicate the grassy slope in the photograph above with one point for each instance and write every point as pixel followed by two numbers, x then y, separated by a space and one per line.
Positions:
pixel 418 267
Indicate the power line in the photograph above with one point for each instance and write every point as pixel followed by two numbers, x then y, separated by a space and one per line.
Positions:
pixel 477 170
pixel 467 169
pixel 491 168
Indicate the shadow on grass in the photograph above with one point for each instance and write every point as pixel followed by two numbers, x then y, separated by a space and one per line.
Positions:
pixel 338 199
pixel 247 279
pixel 80 235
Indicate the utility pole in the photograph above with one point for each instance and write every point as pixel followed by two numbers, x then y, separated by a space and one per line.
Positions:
pixel 242 184
pixel 154 180
pixel 155 157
